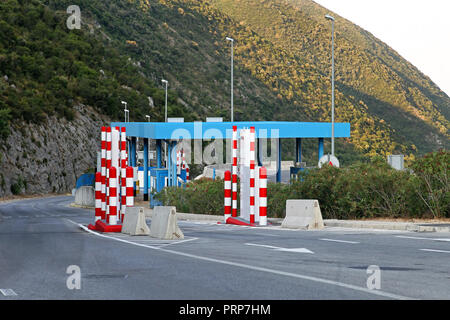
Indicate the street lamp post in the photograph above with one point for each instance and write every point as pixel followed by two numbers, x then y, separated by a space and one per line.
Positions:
pixel 328 17
pixel 165 110
pixel 165 118
pixel 126 111
pixel 232 54
pixel 148 117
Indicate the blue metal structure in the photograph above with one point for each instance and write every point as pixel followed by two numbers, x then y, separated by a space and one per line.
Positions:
pixel 87 179
pixel 198 130
pixel 171 132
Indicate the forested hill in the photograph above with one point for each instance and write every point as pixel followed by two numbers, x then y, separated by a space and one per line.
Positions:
pixel 282 68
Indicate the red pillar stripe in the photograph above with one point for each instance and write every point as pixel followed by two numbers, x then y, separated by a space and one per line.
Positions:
pixel 129 186
pixel 123 169
pixel 103 172
pixel 252 174
pixel 262 196
pixel 98 196
pixel 112 214
pixel 227 195
pixel 108 165
pixel 234 173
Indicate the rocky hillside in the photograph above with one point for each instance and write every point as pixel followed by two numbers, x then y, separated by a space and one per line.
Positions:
pixel 50 156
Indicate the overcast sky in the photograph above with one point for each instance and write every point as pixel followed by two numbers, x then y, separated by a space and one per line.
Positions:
pixel 418 30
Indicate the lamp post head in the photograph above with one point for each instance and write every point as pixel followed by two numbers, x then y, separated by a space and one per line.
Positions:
pixel 328 17
pixel 165 81
pixel 125 103
pixel 229 39
pixel 148 117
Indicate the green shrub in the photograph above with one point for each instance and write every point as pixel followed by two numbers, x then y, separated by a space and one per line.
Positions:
pixel 204 196
pixel 17 187
pixel 433 183
pixel 363 190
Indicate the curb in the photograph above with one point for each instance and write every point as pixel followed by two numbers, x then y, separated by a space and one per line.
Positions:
pixel 73 205
pixel 356 224
pixel 189 216
pixel 395 226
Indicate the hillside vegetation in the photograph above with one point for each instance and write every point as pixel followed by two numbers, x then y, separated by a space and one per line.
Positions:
pixel 372 77
pixel 282 69
pixel 46 69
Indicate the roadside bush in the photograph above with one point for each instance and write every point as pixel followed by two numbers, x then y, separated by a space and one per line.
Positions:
pixel 433 183
pixel 17 187
pixel 360 191
pixel 204 196
pixel 363 190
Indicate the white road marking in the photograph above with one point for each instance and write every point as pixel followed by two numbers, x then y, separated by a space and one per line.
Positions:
pixel 435 250
pixel 178 242
pixel 267 234
pixel 8 292
pixel 298 250
pixel 421 238
pixel 261 245
pixel 261 269
pixel 343 241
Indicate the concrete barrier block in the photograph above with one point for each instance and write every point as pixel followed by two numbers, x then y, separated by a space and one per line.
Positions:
pixel 134 222
pixel 303 214
pixel 85 196
pixel 164 224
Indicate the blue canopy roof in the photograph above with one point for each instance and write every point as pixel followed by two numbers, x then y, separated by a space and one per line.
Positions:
pixel 201 130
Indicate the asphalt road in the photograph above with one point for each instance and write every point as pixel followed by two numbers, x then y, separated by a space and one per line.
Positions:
pixel 41 238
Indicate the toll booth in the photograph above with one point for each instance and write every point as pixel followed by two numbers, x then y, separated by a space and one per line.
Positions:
pixel 170 133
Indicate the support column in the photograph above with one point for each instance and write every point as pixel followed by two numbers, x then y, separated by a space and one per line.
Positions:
pixel 145 169
pixel 298 150
pixel 259 152
pixel 158 153
pixel 279 161
pixel 173 159
pixel 133 160
pixel 320 148
pixel 168 165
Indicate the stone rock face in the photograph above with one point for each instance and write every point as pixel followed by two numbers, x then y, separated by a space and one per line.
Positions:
pixel 49 157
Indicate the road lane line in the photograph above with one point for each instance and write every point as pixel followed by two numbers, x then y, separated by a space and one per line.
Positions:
pixel 343 241
pixel 266 234
pixel 8 292
pixel 177 242
pixel 422 238
pixel 435 250
pixel 261 269
pixel 261 245
pixel 298 250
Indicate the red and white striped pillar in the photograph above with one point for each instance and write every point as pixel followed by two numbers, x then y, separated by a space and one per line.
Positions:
pixel 103 172
pixel 234 173
pixel 262 196
pixel 227 195
pixel 252 174
pixel 112 214
pixel 183 160
pixel 187 172
pixel 115 160
pixel 123 171
pixel 98 196
pixel 108 164
pixel 179 162
pixel 129 186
